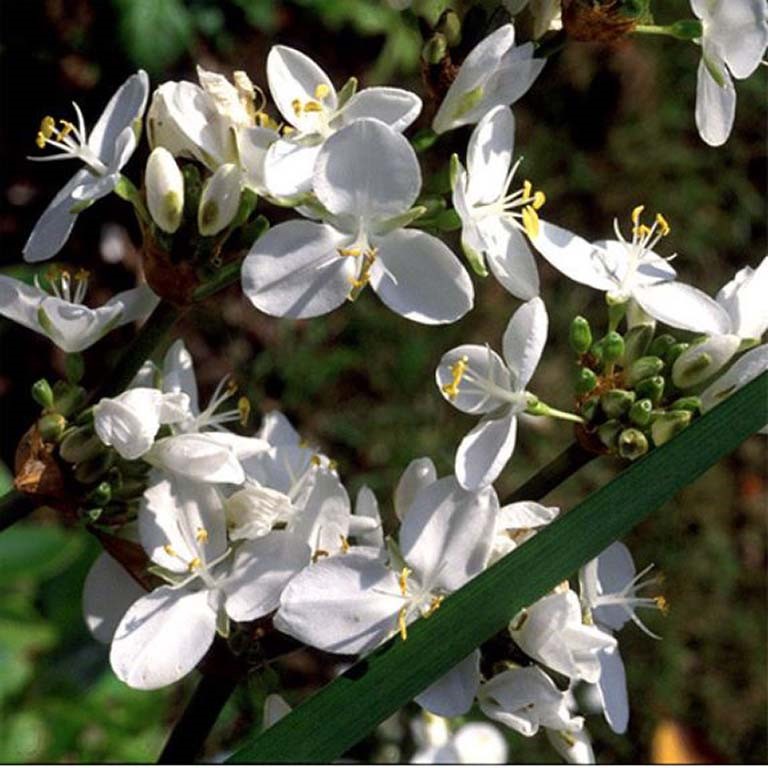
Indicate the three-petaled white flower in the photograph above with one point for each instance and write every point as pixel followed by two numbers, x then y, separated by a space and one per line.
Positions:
pixel 476 380
pixel 632 270
pixel 367 177
pixel 313 110
pixel 103 153
pixel 492 220
pixel 733 42
pixel 59 313
pixel 495 72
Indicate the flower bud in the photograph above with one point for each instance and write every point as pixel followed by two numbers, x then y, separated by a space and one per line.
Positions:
pixel 640 412
pixel 644 367
pixel 67 398
pixel 616 402
pixel 691 403
pixel 674 352
pixel 219 201
pixel 42 393
pixel 74 368
pixel 667 425
pixel 580 335
pixel 661 345
pixel 686 29
pixel 597 351
pixel 636 341
pixel 79 445
pixel 586 381
pixel 632 444
pixel 91 470
pixel 651 388
pixel 435 49
pixel 164 185
pixel 450 26
pixel 613 347
pixel 589 408
pixel 702 361
pixel 51 427
pixel 100 495
pixel 608 432
pixel 429 10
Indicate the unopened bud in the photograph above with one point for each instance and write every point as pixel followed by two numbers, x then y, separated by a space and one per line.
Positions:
pixel 586 381
pixel 429 10
pixel 651 389
pixel 644 367
pixel 667 425
pixel 220 200
pixel 597 351
pixel 580 335
pixel 74 368
pixel 674 352
pixel 435 49
pixel 702 361
pixel 79 445
pixel 450 26
pixel 51 427
pixel 613 347
pixel 91 470
pixel 589 408
pixel 42 393
pixel 636 341
pixel 100 495
pixel 661 345
pixel 640 412
pixel 616 402
pixel 164 185
pixel 632 444
pixel 608 432
pixel 691 403
pixel 68 398
pixel 686 29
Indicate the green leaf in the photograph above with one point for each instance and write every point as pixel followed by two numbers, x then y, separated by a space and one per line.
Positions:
pixel 350 707
pixel 35 552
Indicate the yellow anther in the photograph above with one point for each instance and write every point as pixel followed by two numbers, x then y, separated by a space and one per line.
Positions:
pixel 333 464
pixel 403 580
pixel 662 224
pixel 40 140
pixel 64 275
pixel 361 282
pixel 288 130
pixel 637 212
pixel 231 387
pixel 321 91
pixel 401 625
pixel 296 106
pixel 662 604
pixel 194 564
pixel 201 535
pixel 539 198
pixel 349 251
pixel 244 409
pixel 531 221
pixel 458 369
pixel 318 554
pixel 344 544
pixel 82 275
pixel 169 550
pixel 303 444
pixel 47 126
pixel 642 230
pixel 527 189
pixel 315 460
pixel 434 604
pixel 65 130
pixel 313 106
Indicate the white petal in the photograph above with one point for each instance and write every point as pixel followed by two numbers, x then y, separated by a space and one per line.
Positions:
pixel 294 76
pixel 197 457
pixel 136 303
pixel 489 155
pixel 683 306
pixel 573 256
pixel 524 340
pixel 417 475
pixel 748 367
pixel 484 382
pixel 420 278
pixel 574 746
pixel 295 270
pixel 368 171
pixel 220 200
pixel 324 521
pixel 609 573
pixel 108 592
pixel 715 103
pixel 288 167
pixel 651 270
pixel 480 743
pixel 343 604
pixel 394 106
pixel 276 429
pixel 73 327
pixel 19 302
pixel 260 571
pixel 124 108
pixel 365 524
pixel 526 514
pixel 253 144
pixel 286 468
pixel 485 451
pixel 162 637
pixel 744 300
pixel 509 257
pixel 453 694
pixel 719 349
pixel 612 687
pixel 446 534
pixel 179 373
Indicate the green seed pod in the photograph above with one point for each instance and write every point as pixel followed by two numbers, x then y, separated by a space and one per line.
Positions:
pixel 586 381
pixel 674 352
pixel 691 403
pixel 80 445
pixel 636 341
pixel 651 389
pixel 640 412
pixel 632 444
pixel 613 347
pixel 667 425
pixel 589 408
pixel 51 427
pixel 616 402
pixel 42 393
pixel 100 495
pixel 661 345
pixel 580 335
pixel 644 367
pixel 608 432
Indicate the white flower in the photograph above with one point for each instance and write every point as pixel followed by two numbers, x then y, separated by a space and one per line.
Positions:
pixel 495 72
pixel 314 111
pixel 526 699
pixel 552 632
pixel 743 299
pixel 748 367
pixel 632 270
pixel 60 314
pixel 476 380
pixel 472 743
pixel 103 153
pixel 367 177
pixel 733 42
pixel 166 632
pixel 574 746
pixel 492 220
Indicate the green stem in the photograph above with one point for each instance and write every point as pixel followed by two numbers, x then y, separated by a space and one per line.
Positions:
pixel 14 506
pixel 228 274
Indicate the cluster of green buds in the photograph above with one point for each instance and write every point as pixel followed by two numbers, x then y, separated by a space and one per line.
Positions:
pixel 442 28
pixel 624 388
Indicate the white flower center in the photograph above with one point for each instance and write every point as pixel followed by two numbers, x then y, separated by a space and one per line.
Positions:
pixel 71 140
pixel 62 285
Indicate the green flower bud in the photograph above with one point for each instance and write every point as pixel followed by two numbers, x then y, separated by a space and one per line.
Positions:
pixel 51 427
pixel 661 345
pixel 636 341
pixel 667 425
pixel 435 49
pixel 616 402
pixel 674 352
pixel 640 412
pixel 100 495
pixel 67 398
pixel 94 513
pixel 608 432
pixel 450 26
pixel 597 351
pixel 80 445
pixel 92 470
pixel 74 368
pixel 429 10
pixel 580 335
pixel 589 408
pixel 651 389
pixel 632 444
pixel 613 347
pixel 586 381
pixel 129 489
pixel 686 29
pixel 616 311
pixel 691 403
pixel 42 393
pixel 644 367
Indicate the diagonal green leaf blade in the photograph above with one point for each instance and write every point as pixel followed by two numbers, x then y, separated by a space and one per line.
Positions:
pixel 345 711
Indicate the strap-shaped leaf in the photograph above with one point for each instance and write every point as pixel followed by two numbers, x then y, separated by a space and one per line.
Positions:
pixel 346 710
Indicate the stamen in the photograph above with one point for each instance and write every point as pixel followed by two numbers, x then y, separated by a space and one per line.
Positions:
pixel 313 106
pixel 170 551
pixel 531 222
pixel 322 91
pixel 402 626
pixel 349 251
pixel 296 106
pixel 539 198
pixel 65 130
pixel 458 369
pixel 663 225
pixel 194 564
pixel 434 604
pixel 637 211
pixel 403 580
pixel 201 536
pixel 318 554
pixel 333 465
pixel 315 460
pixel 662 604
pixel 344 544
pixel 244 408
